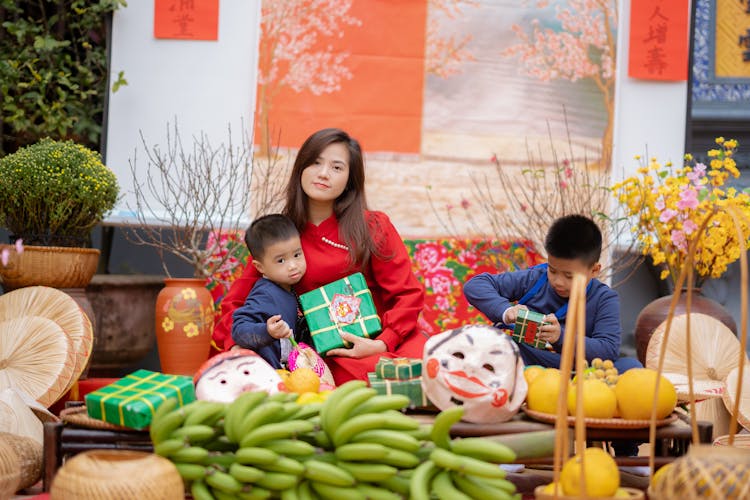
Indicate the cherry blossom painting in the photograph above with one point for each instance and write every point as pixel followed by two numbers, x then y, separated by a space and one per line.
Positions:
pixel 435 89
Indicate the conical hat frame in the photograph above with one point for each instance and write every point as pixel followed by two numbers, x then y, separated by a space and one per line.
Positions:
pixel 686 273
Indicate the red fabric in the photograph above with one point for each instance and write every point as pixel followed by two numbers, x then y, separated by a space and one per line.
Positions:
pixel 398 295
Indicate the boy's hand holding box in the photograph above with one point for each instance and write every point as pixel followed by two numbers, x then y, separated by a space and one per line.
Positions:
pixel 132 400
pixel 526 328
pixel 345 305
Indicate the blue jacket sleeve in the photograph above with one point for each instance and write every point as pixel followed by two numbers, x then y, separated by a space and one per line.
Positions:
pixel 603 327
pixel 249 328
pixel 492 294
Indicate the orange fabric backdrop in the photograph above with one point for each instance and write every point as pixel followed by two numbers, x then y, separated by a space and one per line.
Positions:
pixel 381 105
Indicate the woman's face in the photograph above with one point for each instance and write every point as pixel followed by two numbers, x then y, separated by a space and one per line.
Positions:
pixel 326 179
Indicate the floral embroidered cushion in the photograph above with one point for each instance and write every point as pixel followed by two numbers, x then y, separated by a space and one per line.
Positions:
pixel 443 265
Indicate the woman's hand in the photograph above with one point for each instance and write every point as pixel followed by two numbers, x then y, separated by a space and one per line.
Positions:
pixel 361 347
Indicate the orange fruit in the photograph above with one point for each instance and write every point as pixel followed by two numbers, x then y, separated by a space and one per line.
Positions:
pixel 303 380
pixel 601 473
pixel 636 393
pixel 599 400
pixel 531 372
pixel 543 391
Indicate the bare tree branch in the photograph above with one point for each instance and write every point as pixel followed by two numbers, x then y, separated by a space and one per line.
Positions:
pixel 188 193
pixel 521 202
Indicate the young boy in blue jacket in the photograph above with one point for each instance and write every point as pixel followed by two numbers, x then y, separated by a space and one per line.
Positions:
pixel 573 244
pixel 265 322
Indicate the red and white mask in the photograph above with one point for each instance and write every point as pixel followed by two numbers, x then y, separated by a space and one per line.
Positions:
pixel 227 375
pixel 478 367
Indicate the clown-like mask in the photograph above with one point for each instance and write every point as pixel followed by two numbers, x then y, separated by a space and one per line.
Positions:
pixel 478 367
pixel 229 374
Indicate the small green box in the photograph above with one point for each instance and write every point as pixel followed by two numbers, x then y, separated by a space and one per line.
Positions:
pixel 345 305
pixel 398 368
pixel 132 400
pixel 411 388
pixel 527 328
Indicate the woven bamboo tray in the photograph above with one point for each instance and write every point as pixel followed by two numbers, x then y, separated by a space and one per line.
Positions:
pixel 600 423
pixel 78 415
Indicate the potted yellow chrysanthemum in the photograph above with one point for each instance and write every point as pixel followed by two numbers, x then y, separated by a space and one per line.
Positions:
pixel 667 205
pixel 52 194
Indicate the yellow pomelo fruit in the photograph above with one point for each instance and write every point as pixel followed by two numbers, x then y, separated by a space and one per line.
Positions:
pixel 601 472
pixel 543 391
pixel 599 400
pixel 636 392
pixel 531 372
pixel 660 473
pixel 303 380
pixel 550 489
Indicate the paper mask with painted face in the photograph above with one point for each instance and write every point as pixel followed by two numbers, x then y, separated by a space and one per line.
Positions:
pixel 229 374
pixel 476 366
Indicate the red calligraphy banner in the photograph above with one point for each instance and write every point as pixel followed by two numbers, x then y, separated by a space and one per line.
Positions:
pixel 659 39
pixel 186 19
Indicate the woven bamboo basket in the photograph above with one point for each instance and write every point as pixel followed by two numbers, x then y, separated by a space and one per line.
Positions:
pixel 707 472
pixel 575 327
pixel 30 458
pixel 10 473
pixel 57 267
pixel 117 474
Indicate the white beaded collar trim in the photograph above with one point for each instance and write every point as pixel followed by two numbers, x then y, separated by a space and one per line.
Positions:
pixel 334 244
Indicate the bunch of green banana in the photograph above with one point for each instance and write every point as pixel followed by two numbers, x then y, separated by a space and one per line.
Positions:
pixel 462 469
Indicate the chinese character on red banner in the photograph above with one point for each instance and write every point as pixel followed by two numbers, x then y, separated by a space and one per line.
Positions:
pixel 659 39
pixel 186 19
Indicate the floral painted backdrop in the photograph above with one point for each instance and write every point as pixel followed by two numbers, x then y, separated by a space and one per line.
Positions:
pixel 434 89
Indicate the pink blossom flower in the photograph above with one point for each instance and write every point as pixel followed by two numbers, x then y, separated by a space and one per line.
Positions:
pixel 659 205
pixel 698 171
pixel 568 171
pixel 465 203
pixel 4 256
pixel 679 240
pixel 563 184
pixel 667 215
pixel 688 199
pixel 524 207
pixel 689 227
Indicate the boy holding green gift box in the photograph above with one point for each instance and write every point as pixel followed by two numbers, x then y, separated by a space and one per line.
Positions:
pixel 573 245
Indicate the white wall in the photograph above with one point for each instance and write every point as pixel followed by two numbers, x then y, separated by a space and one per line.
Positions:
pixel 650 116
pixel 205 85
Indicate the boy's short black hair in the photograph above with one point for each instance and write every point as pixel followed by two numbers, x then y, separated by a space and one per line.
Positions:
pixel 574 237
pixel 267 230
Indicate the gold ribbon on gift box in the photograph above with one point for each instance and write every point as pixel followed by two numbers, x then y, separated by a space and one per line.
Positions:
pixel 337 324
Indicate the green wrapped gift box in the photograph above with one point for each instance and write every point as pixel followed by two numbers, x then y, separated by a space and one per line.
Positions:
pixel 345 305
pixel 527 328
pixel 398 368
pixel 411 388
pixel 132 400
